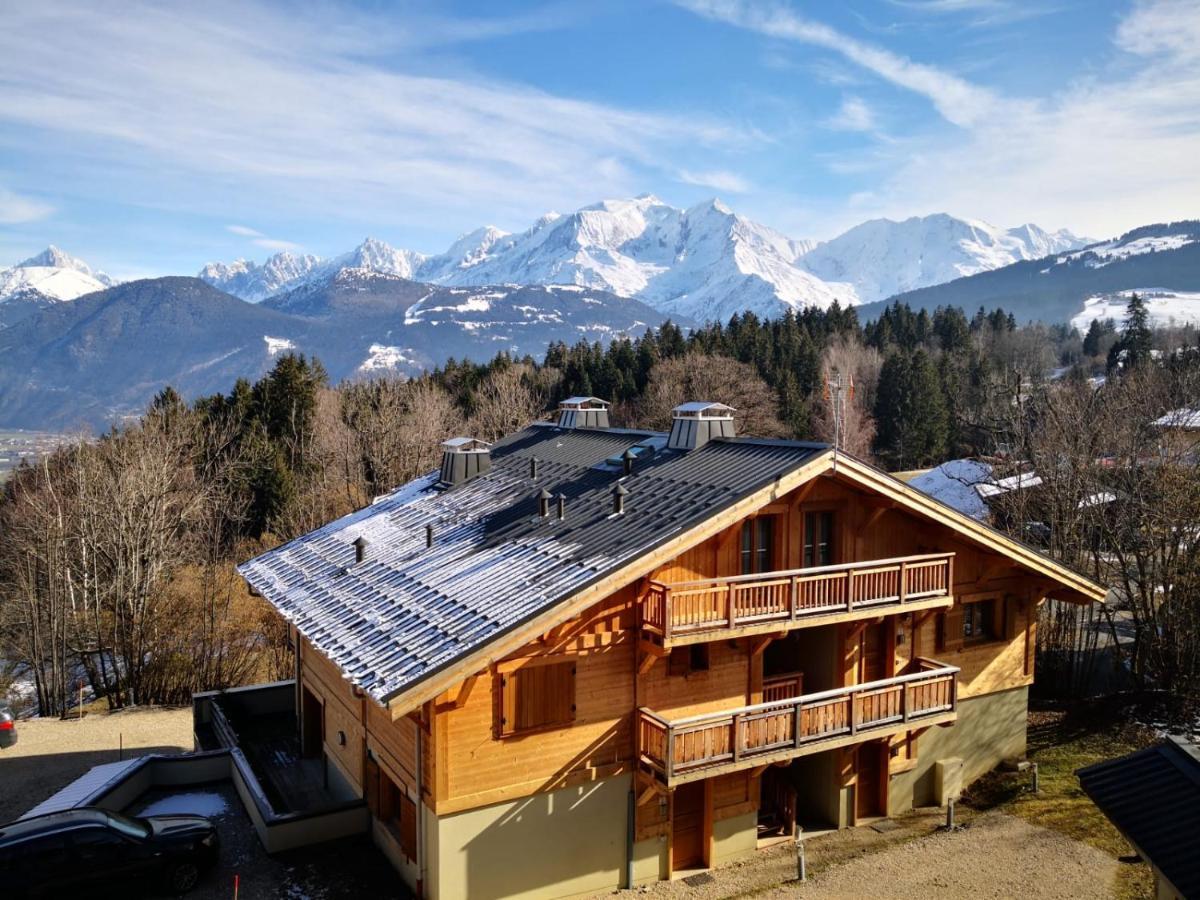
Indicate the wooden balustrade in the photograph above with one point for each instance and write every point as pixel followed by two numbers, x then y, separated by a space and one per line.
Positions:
pixel 725 604
pixel 795 725
pixel 783 687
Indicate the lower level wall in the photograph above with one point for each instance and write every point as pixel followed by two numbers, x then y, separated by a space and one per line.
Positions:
pixel 558 844
pixel 989 730
pixel 734 837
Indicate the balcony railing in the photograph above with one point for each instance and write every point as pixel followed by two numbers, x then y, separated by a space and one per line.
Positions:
pixel 780 729
pixel 726 604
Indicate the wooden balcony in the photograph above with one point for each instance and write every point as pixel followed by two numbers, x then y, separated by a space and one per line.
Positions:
pixel 695 747
pixel 692 611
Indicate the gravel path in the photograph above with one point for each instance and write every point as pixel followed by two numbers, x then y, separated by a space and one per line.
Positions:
pixel 51 753
pixel 996 856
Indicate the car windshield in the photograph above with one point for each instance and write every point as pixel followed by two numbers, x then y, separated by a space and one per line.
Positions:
pixel 131 827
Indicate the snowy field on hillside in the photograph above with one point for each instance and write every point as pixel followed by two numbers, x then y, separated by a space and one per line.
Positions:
pixel 1165 308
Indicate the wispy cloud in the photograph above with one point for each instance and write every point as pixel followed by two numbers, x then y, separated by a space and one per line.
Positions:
pixel 719 180
pixel 304 107
pixel 17 210
pixel 980 12
pixel 853 115
pixel 1117 148
pixel 261 240
pixel 956 99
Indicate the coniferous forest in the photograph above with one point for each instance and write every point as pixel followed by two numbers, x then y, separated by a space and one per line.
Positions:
pixel 119 549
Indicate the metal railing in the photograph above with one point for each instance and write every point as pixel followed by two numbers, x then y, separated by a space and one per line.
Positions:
pixel 724 604
pixel 679 746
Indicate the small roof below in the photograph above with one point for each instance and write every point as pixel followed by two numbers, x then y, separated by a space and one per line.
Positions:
pixel 83 788
pixel 1153 798
pixel 580 402
pixel 465 443
pixel 1000 486
pixel 1183 419
pixel 704 409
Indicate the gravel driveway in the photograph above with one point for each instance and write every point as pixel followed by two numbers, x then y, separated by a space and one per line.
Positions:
pixel 51 753
pixel 997 855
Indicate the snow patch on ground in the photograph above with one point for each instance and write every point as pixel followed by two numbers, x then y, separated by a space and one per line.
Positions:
pixel 277 345
pixel 953 483
pixel 1164 307
pixel 384 358
pixel 195 803
pixel 1114 250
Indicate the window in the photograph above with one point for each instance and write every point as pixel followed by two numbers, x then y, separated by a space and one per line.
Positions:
pixel 686 660
pixel 391 805
pixel 758 545
pixel 537 695
pixel 818 539
pixel 979 622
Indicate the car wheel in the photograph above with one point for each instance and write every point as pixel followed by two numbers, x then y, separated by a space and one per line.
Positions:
pixel 182 877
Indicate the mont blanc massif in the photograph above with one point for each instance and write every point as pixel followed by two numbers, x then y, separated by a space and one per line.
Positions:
pixel 76 347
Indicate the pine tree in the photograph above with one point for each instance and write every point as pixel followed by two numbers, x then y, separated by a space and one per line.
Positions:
pixel 912 423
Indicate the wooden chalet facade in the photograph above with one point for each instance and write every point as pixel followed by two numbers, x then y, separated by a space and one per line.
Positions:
pixel 815 644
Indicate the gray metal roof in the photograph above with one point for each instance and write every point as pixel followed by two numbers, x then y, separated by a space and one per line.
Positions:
pixel 1153 798
pixel 407 611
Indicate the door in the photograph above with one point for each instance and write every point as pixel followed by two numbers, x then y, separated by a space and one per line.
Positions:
pixel 687 826
pixel 869 796
pixel 873 653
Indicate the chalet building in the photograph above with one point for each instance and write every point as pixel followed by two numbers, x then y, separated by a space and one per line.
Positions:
pixel 583 656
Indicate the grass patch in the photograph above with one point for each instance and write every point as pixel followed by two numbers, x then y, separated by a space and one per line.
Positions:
pixel 1061 742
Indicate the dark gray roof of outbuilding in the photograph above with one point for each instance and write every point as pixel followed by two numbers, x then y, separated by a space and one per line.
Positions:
pixel 408 611
pixel 1153 798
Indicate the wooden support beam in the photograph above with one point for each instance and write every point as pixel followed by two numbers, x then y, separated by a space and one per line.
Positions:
pixel 758 770
pixel 647 663
pixel 765 641
pixel 649 793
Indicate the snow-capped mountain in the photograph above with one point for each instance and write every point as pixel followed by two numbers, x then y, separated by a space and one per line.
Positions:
pixel 253 282
pixel 285 271
pixel 702 263
pixel 882 258
pixel 52 274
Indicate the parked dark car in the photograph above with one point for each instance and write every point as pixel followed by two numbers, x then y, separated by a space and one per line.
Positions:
pixel 8 726
pixel 58 853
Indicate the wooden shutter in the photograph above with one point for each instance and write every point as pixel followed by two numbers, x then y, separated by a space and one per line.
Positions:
pixel 408 827
pixel 537 696
pixel 372 778
pixel 953 628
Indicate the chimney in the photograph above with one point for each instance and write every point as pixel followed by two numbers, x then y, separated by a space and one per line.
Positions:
pixel 533 467
pixel 462 459
pixel 360 549
pixel 619 492
pixel 562 507
pixel 695 424
pixel 544 498
pixel 583 412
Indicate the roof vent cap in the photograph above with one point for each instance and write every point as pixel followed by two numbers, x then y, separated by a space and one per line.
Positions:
pixel 619 493
pixel 360 548
pixel 463 458
pixel 696 423
pixel 583 412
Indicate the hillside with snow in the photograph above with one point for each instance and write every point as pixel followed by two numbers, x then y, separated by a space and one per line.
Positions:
pixel 702 263
pixel 881 258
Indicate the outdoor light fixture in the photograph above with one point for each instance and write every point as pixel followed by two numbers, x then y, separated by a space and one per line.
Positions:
pixel 341 739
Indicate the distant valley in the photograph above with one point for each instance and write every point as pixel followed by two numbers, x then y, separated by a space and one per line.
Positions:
pixel 78 348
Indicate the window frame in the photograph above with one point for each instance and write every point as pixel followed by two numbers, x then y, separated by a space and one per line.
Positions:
pixel 758 548
pixel 809 546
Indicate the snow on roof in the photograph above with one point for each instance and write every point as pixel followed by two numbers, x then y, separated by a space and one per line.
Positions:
pixel 1098 499
pixel 953 483
pixel 581 401
pixel 699 407
pixel 1185 419
pixel 410 610
pixel 468 443
pixel 1017 482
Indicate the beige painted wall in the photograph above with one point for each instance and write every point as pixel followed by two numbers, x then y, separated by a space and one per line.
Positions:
pixel 734 837
pixel 989 730
pixel 557 844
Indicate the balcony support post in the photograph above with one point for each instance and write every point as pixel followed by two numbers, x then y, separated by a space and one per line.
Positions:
pixel 737 737
pixel 729 591
pixel 903 581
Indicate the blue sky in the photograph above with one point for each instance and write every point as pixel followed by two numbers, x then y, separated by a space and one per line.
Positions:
pixel 150 139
